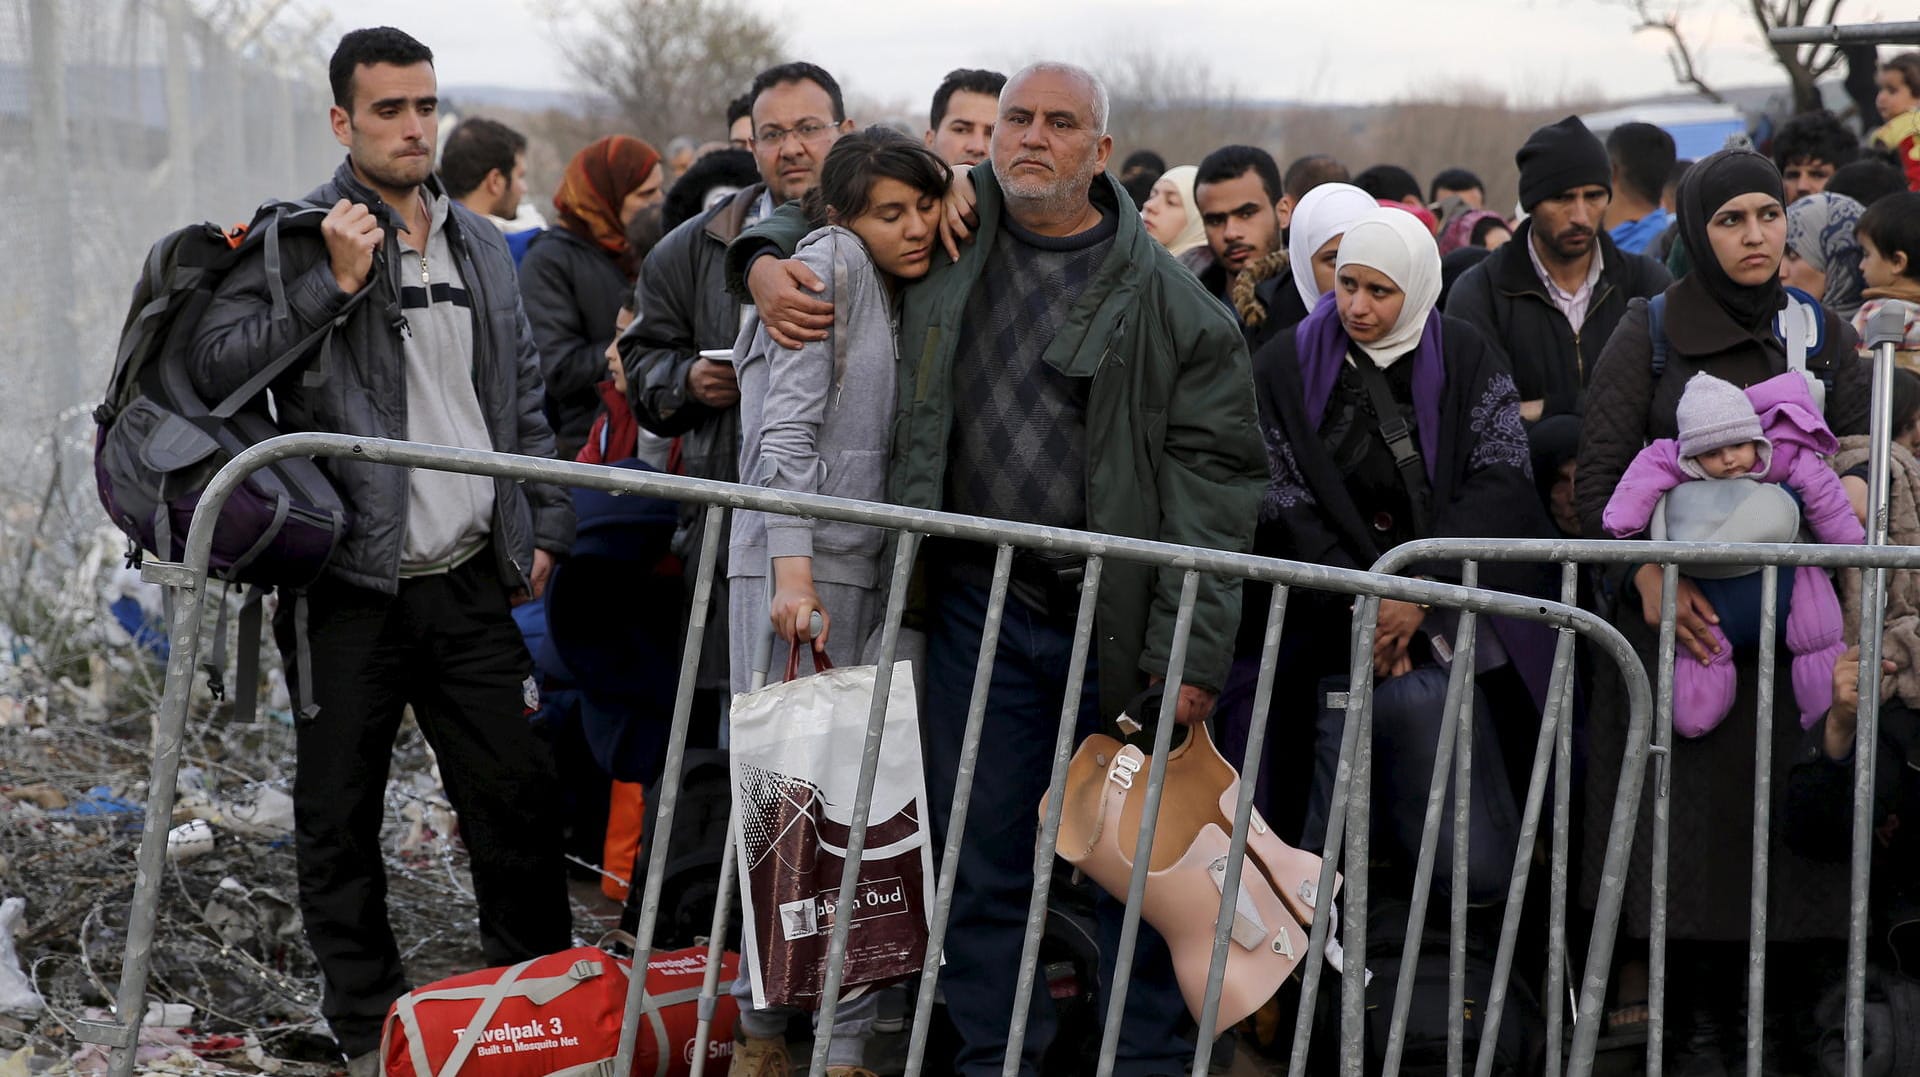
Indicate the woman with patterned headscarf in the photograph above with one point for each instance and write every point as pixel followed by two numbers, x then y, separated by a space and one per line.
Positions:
pixel 1823 253
pixel 576 276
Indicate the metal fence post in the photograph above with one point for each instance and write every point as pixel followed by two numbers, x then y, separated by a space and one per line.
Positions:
pixel 53 176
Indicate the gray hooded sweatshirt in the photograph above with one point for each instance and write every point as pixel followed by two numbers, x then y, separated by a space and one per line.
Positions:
pixel 820 420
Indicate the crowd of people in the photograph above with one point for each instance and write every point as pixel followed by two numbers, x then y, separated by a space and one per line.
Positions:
pixel 1314 363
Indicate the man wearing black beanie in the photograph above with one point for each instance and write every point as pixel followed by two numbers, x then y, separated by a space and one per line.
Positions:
pixel 1551 297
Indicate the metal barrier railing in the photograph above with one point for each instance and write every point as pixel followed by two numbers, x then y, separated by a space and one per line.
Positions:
pixel 1875 561
pixel 186 581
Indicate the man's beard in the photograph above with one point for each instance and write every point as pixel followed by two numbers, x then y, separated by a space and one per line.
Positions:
pixel 1055 196
pixel 1556 246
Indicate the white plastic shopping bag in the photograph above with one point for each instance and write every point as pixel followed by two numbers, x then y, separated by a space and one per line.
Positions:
pixel 795 751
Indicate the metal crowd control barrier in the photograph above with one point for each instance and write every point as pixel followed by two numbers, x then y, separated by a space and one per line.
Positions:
pixel 187 582
pixel 1875 559
pixel 1672 556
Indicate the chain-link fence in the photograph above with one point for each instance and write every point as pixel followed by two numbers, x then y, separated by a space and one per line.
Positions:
pixel 119 121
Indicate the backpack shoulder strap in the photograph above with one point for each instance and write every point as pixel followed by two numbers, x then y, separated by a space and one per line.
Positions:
pixel 1657 332
pixel 272 218
pixel 1398 435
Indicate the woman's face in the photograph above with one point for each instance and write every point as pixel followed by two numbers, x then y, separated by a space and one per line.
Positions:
pixel 1797 272
pixel 1749 236
pixel 1165 212
pixel 898 228
pixel 1323 262
pixel 1495 238
pixel 1369 302
pixel 1894 96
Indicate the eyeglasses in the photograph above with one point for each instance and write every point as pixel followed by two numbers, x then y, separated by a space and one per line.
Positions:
pixel 809 132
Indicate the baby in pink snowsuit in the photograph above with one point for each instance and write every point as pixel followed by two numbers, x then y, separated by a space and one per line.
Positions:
pixel 1772 432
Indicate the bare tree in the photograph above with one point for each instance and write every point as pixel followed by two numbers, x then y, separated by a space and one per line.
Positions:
pixel 1805 65
pixel 1460 125
pixel 671 66
pixel 1170 103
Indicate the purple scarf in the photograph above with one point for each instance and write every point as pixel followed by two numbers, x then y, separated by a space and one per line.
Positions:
pixel 1322 345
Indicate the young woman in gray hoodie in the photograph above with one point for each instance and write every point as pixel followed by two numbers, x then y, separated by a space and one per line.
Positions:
pixel 819 419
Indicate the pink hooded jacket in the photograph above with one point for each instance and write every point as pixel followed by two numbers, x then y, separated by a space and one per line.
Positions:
pixel 1799 438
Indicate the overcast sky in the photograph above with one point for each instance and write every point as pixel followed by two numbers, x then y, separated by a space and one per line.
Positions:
pixel 1357 50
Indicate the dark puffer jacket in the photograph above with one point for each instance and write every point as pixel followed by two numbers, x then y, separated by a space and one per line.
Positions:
pixel 364 391
pixel 1551 361
pixel 573 292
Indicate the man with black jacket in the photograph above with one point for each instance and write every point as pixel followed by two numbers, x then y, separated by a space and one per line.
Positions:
pixel 685 309
pixel 413 609
pixel 1550 298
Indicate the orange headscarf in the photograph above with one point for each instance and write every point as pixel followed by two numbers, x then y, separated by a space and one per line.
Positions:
pixel 598 179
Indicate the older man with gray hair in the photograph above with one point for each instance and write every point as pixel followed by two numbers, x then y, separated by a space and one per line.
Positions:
pixel 1065 371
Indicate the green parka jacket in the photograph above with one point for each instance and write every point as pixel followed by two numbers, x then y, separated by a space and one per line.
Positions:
pixel 1175 451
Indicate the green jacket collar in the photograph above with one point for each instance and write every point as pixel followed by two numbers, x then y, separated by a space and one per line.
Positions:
pixel 1080 342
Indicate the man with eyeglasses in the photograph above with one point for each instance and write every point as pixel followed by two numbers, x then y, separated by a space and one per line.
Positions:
pixel 684 309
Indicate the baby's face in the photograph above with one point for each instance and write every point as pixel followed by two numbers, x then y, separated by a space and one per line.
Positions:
pixel 1729 462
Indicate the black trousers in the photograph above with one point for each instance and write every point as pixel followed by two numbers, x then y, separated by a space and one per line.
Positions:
pixel 447 645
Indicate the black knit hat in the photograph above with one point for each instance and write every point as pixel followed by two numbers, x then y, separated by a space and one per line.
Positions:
pixel 1560 157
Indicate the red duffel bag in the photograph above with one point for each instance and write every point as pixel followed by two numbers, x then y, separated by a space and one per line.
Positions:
pixel 558 1015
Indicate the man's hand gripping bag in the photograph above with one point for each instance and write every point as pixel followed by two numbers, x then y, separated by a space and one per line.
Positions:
pixel 558 1015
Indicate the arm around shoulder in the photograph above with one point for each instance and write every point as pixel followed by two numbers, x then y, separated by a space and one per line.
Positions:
pixel 782 230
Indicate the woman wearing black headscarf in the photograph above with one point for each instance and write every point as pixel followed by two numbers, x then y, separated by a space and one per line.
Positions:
pixel 1719 320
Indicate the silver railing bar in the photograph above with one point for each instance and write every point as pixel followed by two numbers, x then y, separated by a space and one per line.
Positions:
pixel 962 803
pixel 669 783
pixel 1871 33
pixel 1557 983
pixel 1762 817
pixel 849 890
pixel 1446 745
pixel 1465 640
pixel 1149 823
pixel 1242 820
pixel 1049 836
pixel 1555 719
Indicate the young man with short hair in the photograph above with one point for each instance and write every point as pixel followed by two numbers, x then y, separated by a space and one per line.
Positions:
pixel 1237 194
pixel 1457 181
pixel 1808 149
pixel 484 167
pixel 413 609
pixel 1303 175
pixel 740 122
pixel 960 124
pixel 1390 183
pixel 1642 157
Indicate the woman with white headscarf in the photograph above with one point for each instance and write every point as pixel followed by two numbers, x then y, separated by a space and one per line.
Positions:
pixel 1341 492
pixel 1314 231
pixel 1171 215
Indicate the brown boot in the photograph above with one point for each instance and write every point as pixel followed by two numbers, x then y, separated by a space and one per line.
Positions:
pixel 755 1057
